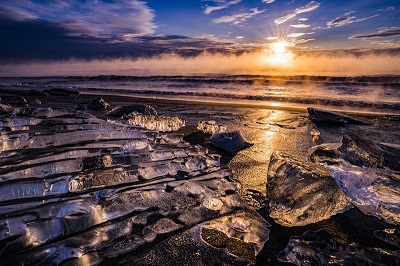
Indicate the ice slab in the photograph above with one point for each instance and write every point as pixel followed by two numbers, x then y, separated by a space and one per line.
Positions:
pixel 301 193
pixel 78 190
pixel 230 141
pixel 154 122
pixel 374 191
pixel 367 173
pixel 329 117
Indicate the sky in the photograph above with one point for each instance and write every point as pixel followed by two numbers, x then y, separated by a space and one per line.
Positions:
pixel 172 37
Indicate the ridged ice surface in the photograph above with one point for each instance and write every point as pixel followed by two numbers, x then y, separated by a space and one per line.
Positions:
pixel 320 248
pixel 301 193
pixel 374 191
pixel 154 122
pixel 367 173
pixel 78 189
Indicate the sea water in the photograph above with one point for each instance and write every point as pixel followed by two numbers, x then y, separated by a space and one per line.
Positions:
pixel 362 93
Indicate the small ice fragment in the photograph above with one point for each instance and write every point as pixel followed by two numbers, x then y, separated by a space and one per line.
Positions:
pixel 315 132
pixel 154 122
pixel 213 204
pixel 210 127
pixel 98 103
pixel 35 101
pixel 230 141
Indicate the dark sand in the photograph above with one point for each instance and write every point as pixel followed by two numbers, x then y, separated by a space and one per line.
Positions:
pixel 270 128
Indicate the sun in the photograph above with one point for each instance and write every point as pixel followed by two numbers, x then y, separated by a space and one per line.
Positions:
pixel 278 54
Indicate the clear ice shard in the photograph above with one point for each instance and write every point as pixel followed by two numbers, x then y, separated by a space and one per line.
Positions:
pixel 154 122
pixel 300 193
pixel 230 141
pixel 323 116
pixel 210 127
pixel 320 248
pixel 78 190
pixel 368 174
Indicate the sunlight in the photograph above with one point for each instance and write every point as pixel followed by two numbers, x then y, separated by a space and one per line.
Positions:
pixel 278 54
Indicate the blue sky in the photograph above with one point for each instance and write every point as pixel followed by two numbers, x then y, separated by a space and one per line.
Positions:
pixel 199 36
pixel 61 29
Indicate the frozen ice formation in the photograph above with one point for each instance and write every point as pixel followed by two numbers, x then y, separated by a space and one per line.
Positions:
pixel 230 141
pixel 301 193
pixel 367 173
pixel 374 191
pixel 324 116
pixel 78 190
pixel 365 153
pixel 229 240
pixel 154 122
pixel 98 103
pixel 6 108
pixel 320 248
pixel 127 109
pixel 210 127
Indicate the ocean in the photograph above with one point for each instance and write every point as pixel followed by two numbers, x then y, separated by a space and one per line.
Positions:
pixel 81 186
pixel 376 94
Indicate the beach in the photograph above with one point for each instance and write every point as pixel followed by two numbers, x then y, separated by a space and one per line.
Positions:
pixel 282 129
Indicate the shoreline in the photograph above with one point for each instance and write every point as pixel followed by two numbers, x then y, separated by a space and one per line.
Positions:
pixel 267 105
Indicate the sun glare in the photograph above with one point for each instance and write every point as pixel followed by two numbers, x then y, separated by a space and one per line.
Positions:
pixel 278 54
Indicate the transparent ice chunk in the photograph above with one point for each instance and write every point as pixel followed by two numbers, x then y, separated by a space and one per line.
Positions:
pixel 301 193
pixel 154 122
pixel 210 127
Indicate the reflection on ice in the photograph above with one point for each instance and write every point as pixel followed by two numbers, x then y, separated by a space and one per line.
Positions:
pixel 75 189
pixel 301 193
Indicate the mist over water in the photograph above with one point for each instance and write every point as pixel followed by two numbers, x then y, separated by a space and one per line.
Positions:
pixel 370 94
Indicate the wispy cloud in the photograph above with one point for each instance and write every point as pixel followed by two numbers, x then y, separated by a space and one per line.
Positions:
pixel 307 8
pixel 237 19
pixel 268 1
pixel 301 26
pixel 303 19
pixel 346 19
pixel 381 33
pixel 121 20
pixel 221 4
pixel 298 34
pixel 389 8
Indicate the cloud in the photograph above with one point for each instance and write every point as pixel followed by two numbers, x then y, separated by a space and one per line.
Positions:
pixel 237 19
pixel 301 41
pixel 303 19
pixel 390 8
pixel 119 20
pixel 383 32
pixel 340 63
pixel 49 41
pixel 346 19
pixel 299 34
pixel 268 1
pixel 307 8
pixel 300 26
pixel 221 5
